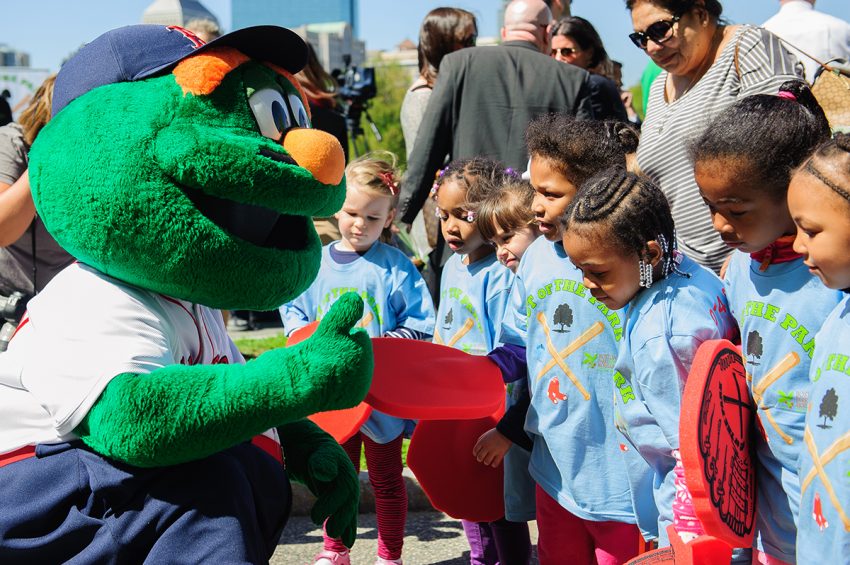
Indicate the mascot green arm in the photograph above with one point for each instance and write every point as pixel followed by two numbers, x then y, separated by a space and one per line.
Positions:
pixel 181 413
pixel 315 459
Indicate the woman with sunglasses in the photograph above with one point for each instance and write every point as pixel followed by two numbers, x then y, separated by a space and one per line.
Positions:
pixel 707 66
pixel 575 41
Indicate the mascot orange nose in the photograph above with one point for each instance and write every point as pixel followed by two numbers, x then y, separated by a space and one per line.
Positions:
pixel 318 152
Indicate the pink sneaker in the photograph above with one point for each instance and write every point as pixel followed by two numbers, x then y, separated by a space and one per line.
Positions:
pixel 327 557
pixel 382 561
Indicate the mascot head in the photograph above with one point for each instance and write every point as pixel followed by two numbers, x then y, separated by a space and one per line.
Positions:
pixel 189 169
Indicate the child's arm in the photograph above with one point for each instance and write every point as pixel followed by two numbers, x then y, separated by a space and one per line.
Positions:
pixel 411 301
pixel 493 445
pixel 295 315
pixel 511 361
pixel 407 333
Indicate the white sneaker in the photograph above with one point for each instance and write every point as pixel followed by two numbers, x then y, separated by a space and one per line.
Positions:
pixel 332 558
pixel 382 561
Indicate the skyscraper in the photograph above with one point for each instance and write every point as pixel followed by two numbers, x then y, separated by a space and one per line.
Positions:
pixel 293 14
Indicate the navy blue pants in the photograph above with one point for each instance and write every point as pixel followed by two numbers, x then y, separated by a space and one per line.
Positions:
pixel 69 504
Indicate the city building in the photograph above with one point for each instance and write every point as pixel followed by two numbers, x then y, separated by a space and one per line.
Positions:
pixel 176 12
pixel 331 42
pixel 245 13
pixel 12 58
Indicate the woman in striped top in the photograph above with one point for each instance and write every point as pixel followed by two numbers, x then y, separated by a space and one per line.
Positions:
pixel 707 66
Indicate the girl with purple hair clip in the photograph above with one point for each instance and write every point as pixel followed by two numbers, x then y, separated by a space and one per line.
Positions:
pixel 474 291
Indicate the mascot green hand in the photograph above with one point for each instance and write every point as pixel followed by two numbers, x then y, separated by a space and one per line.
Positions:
pixel 183 177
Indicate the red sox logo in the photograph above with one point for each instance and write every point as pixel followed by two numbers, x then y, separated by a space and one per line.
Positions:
pixel 196 41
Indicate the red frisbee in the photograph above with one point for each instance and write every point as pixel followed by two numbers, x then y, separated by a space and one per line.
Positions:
pixel 341 424
pixel 302 333
pixel 714 439
pixel 440 455
pixel 705 550
pixel 425 381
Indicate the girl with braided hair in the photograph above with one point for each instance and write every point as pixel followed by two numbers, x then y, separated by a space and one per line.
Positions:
pixel 563 342
pixel 819 200
pixel 743 165
pixel 474 290
pixel 619 232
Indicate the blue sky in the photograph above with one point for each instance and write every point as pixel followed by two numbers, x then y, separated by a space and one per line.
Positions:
pixel 50 29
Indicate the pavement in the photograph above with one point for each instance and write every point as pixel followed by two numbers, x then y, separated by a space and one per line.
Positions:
pixel 431 538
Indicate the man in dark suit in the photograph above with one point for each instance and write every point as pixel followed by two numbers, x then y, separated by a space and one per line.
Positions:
pixel 484 99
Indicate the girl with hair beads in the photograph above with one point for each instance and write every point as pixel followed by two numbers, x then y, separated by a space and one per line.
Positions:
pixel 397 305
pixel 474 290
pixel 619 232
pixel 743 165
pixel 819 200
pixel 569 341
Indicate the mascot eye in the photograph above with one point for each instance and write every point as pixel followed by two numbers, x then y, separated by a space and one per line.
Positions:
pixel 299 111
pixel 270 111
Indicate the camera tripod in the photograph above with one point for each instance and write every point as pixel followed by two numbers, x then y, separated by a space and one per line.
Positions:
pixel 355 110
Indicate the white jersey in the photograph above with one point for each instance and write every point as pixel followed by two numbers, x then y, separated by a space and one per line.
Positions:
pixel 83 330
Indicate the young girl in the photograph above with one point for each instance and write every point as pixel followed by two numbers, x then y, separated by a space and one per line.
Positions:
pixel 397 305
pixel 819 200
pixel 619 232
pixel 568 340
pixel 506 221
pixel 473 293
pixel 743 166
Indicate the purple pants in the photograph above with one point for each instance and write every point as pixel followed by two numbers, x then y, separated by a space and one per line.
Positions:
pixel 498 543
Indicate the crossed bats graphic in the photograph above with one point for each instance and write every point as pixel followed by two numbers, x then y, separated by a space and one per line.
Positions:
pixel 467 325
pixel 558 357
pixel 819 461
pixel 786 364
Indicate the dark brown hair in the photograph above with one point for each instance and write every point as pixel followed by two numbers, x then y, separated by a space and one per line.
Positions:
pixel 443 31
pixel 582 32
pixel 679 7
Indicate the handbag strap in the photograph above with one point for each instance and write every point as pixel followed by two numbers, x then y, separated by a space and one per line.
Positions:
pixel 810 56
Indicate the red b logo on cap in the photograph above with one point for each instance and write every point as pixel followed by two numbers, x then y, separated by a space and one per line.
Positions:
pixel 196 41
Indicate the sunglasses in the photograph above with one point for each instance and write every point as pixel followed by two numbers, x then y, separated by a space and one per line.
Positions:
pixel 659 32
pixel 564 51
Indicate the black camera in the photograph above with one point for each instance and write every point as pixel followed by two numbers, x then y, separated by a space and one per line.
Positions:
pixel 357 84
pixel 356 88
pixel 12 309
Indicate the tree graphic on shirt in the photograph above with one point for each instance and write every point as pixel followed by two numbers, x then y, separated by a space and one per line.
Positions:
pixel 563 317
pixel 828 407
pixel 447 321
pixel 755 346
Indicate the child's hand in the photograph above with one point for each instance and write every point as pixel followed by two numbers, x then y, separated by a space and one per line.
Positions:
pixel 491 448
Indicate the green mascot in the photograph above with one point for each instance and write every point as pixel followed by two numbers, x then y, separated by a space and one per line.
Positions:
pixel 182 176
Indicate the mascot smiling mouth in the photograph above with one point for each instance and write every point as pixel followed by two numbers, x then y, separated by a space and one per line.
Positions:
pixel 256 225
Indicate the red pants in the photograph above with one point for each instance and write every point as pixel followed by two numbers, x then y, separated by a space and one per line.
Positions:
pixel 384 462
pixel 566 538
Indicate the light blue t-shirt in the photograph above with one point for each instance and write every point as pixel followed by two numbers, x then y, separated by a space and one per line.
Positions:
pixel 779 310
pixel 665 326
pixel 576 457
pixel 394 294
pixel 823 529
pixel 472 303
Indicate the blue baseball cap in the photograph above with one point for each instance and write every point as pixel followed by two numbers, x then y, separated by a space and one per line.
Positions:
pixel 137 52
